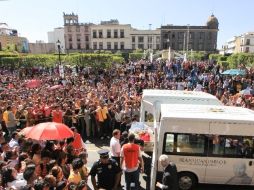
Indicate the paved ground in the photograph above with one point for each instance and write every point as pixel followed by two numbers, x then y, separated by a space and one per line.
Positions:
pixel 97 145
pixel 93 156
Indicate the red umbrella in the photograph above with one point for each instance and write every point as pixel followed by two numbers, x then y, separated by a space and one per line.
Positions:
pixel 33 83
pixel 55 87
pixel 50 131
pixel 25 130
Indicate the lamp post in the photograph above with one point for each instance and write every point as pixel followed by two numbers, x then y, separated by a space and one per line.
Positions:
pixel 60 67
pixel 58 43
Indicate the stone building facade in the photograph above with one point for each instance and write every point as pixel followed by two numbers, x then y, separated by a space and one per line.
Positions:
pixel 76 35
pixel 145 39
pixel 110 35
pixel 239 44
pixel 196 38
pixel 9 37
pixel 41 48
pixel 20 43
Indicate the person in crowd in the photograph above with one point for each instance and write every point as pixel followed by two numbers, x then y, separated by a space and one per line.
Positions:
pixel 115 146
pixel 107 170
pixel 62 162
pixel 84 172
pixel 82 185
pixel 75 174
pixel 41 184
pixel 14 140
pixel 57 172
pixel 57 115
pixel 78 143
pixel 10 120
pixel 30 174
pixel 132 157
pixel 51 180
pixel 36 153
pixel 170 178
pixel 62 185
pixel 11 179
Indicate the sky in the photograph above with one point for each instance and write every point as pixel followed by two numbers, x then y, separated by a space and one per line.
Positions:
pixel 34 18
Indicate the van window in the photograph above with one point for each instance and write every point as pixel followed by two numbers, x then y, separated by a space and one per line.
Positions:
pixel 190 143
pixel 209 145
pixel 169 147
pixel 233 146
pixel 184 143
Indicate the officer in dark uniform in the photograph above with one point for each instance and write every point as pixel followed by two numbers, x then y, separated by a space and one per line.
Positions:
pixel 107 170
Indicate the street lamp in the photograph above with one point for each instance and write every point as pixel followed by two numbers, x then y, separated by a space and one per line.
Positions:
pixel 60 67
pixel 58 43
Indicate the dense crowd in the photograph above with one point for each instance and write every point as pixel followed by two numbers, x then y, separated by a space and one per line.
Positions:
pixel 93 103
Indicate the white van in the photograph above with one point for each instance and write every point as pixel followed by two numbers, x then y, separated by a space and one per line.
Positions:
pixel 158 97
pixel 152 99
pixel 208 144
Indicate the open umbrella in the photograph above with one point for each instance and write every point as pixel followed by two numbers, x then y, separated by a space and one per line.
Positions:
pixel 234 72
pixel 55 87
pixel 50 131
pixel 33 83
pixel 25 130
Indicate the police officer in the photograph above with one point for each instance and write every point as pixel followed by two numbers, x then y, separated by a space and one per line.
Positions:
pixel 107 170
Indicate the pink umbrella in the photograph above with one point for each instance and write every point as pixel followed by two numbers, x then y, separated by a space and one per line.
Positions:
pixel 55 87
pixel 50 131
pixel 33 83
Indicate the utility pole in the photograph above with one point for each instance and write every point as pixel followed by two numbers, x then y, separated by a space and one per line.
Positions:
pixel 184 36
pixel 188 38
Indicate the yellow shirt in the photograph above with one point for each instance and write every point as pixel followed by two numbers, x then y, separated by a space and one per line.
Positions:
pixel 5 116
pixel 75 178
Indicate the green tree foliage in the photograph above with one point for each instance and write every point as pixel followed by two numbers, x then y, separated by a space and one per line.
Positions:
pixel 101 60
pixel 136 56
pixel 215 57
pixel 92 60
pixel 196 55
pixel 118 59
pixel 237 59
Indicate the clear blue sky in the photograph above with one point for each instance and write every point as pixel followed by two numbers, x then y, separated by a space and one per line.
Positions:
pixel 34 18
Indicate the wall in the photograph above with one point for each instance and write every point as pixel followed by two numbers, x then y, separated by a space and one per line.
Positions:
pixel 41 48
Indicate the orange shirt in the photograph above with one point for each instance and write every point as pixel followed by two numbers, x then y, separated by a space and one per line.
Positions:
pixel 101 114
pixel 77 143
pixel 131 154
pixel 57 116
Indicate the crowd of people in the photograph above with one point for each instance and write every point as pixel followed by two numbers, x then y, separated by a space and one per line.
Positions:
pixel 94 103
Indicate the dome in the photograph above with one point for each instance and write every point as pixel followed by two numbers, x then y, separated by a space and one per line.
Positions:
pixel 212 22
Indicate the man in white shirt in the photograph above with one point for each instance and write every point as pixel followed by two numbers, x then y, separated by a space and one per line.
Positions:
pixel 115 146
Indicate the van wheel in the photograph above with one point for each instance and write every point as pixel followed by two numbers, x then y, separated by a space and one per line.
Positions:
pixel 187 180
